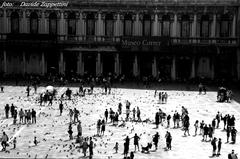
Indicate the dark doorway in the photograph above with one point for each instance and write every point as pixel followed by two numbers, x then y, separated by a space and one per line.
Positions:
pixel 52 59
pixel 126 63
pixel 164 65
pixel 70 59
pixel 108 63
pixel 145 62
pixel 89 63
pixel 183 68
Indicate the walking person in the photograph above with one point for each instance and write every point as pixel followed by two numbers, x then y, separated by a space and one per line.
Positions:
pixel 196 127
pixel 4 141
pixel 70 132
pixel 106 115
pixel 136 139
pixel 214 145
pixel 90 148
pixel 155 140
pixel 219 146
pixel 7 110
pixel 12 109
pixel 84 147
pixel 103 127
pixel 98 126
pixel 157 121
pixel 233 134
pixel 61 107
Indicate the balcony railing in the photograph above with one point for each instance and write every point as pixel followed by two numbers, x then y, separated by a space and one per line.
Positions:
pixel 114 40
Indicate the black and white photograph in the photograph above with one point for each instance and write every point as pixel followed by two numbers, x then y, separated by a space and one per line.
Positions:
pixel 119 79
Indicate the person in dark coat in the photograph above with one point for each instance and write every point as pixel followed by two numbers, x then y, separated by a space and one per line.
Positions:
pixel 219 146
pixel 233 134
pixel 7 110
pixel 34 116
pixel 157 117
pixel 90 148
pixel 12 109
pixel 106 114
pixel 136 139
pixel 214 145
pixel 155 140
pixel 61 108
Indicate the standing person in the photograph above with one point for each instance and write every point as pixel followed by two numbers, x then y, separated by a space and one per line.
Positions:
pixel 15 116
pixel 155 140
pixel 34 116
pixel 12 109
pixel 219 146
pixel 168 120
pixel 21 115
pixel 28 90
pixel 29 114
pixel 210 132
pixel 70 132
pixel 131 155
pixel 106 114
pixel 61 107
pixel 205 132
pixel 214 145
pixel 4 141
pixel 79 128
pixel 218 117
pixel 196 127
pixel 224 122
pixel 103 127
pixel 120 108
pixel 168 140
pixel 98 126
pixel 116 147
pixel 136 139
pixel 138 114
pixel 233 134
pixel 157 121
pixel 202 127
pixel 85 146
pixel 90 148
pixel 7 110
pixel 228 133
pixel 126 146
pixel 134 113
pixel 76 113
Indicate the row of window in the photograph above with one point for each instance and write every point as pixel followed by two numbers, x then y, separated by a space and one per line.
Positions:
pixel 224 25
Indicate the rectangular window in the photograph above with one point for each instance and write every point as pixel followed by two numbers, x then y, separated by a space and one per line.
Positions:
pixel 147 28
pixel 205 29
pixel 34 26
pixel 72 27
pixel 128 28
pixel 109 28
pixel 185 29
pixel 224 29
pixel 90 27
pixel 53 26
pixel 166 28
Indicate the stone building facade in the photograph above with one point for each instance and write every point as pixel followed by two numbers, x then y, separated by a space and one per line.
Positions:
pixel 175 39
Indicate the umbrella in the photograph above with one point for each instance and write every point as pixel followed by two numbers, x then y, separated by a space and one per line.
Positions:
pixel 49 88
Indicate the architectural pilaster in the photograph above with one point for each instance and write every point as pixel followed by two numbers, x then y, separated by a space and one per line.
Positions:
pixel 213 28
pixel 193 74
pixel 24 63
pixel 155 25
pixel 173 69
pixel 43 64
pixel 234 26
pixel 154 67
pixel 5 61
pixel 80 64
pixel 116 64
pixel 135 66
pixel 238 64
pixel 61 63
pixel 98 64
pixel 174 27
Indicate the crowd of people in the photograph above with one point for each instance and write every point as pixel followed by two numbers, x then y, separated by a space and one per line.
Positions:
pixel 180 121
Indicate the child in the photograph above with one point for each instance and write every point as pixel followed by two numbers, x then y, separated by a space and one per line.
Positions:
pixel 116 147
pixel 14 142
pixel 35 141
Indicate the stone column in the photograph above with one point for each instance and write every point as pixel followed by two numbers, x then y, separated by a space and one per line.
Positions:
pixel 212 68
pixel 135 66
pixel 193 74
pixel 24 63
pixel 154 67
pixel 6 26
pixel 234 26
pixel 43 64
pixel 98 64
pixel 62 25
pixel 238 64
pixel 61 63
pixel 136 24
pixel 80 64
pixel 194 26
pixel 173 69
pixel 116 64
pixel 5 61
pixel 155 25
pixel 213 28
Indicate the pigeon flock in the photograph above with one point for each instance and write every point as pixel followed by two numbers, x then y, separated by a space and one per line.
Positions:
pixel 48 138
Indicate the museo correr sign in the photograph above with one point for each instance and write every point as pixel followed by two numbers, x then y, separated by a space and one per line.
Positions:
pixel 143 41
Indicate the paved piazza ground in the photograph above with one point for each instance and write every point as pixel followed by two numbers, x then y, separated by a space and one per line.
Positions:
pixel 51 129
